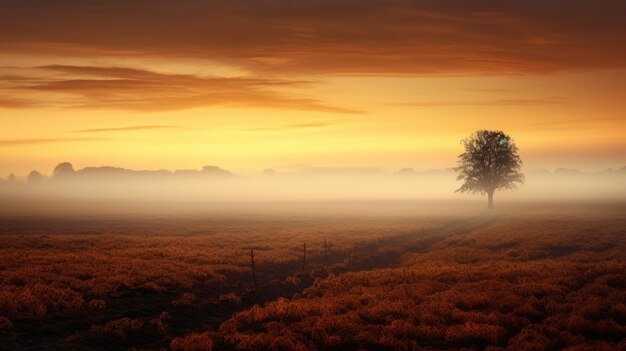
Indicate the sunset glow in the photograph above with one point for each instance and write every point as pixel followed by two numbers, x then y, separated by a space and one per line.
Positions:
pixel 256 85
pixel 304 175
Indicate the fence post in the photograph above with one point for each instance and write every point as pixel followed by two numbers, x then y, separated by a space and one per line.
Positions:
pixel 253 270
pixel 304 257
pixel 353 255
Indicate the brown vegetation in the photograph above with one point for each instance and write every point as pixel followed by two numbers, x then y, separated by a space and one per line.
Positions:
pixel 51 274
pixel 90 284
pixel 519 285
pixel 500 281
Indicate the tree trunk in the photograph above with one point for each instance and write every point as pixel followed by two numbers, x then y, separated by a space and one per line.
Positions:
pixel 490 196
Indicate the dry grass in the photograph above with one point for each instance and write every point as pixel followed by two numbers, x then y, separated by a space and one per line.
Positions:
pixel 529 280
pixel 524 283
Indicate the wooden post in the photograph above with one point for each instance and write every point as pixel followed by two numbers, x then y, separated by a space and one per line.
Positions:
pixel 304 257
pixel 325 252
pixel 353 255
pixel 253 271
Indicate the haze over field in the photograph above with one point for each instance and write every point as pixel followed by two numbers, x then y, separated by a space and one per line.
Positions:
pixel 304 175
pixel 112 187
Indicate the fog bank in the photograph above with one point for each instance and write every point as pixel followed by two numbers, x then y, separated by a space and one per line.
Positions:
pixel 167 189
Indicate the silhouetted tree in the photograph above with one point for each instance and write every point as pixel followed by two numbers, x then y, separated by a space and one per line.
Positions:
pixel 269 172
pixel 406 172
pixel 34 177
pixel 62 170
pixel 215 171
pixel 490 162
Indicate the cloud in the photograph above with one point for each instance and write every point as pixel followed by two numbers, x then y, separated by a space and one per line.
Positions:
pixel 492 90
pixel 310 125
pixel 142 90
pixel 499 102
pixel 14 103
pixel 14 142
pixel 571 123
pixel 123 129
pixel 363 37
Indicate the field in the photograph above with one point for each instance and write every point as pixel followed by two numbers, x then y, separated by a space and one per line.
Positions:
pixel 375 276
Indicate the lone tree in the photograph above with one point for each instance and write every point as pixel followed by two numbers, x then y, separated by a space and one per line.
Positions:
pixel 490 162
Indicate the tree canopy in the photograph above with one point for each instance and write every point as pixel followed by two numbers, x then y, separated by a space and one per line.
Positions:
pixel 490 162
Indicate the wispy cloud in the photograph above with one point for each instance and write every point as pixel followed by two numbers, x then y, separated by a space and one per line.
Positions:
pixel 330 37
pixel 16 142
pixel 297 126
pixel 147 91
pixel 123 129
pixel 492 90
pixel 14 103
pixel 569 123
pixel 499 102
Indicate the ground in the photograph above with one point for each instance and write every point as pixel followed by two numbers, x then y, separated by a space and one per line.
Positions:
pixel 378 275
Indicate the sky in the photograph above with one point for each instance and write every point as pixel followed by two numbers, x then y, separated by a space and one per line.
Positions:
pixel 289 85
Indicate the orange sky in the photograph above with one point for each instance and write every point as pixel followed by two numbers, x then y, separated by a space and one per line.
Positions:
pixel 292 84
